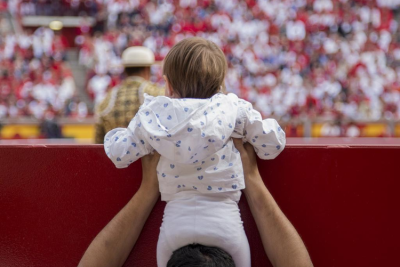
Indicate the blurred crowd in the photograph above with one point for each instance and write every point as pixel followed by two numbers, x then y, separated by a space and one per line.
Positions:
pixel 35 80
pixel 53 7
pixel 294 59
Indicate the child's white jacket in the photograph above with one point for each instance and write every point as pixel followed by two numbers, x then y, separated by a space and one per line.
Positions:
pixel 193 137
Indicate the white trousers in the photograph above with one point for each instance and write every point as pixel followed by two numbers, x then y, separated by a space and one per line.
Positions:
pixel 210 220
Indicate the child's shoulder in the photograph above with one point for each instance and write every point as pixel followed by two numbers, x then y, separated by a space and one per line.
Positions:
pixel 238 100
pixel 149 98
pixel 231 97
pixel 164 101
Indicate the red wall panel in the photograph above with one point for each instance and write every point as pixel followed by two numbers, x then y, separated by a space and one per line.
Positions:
pixel 343 201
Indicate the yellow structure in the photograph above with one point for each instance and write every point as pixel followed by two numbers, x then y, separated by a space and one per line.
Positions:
pixel 31 131
pixel 85 131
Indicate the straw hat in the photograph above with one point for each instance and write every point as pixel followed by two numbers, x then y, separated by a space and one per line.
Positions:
pixel 137 56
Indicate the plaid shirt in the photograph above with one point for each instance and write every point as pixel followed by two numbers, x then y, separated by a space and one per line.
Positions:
pixel 121 104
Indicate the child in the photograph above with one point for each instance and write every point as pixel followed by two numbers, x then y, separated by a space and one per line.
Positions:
pixel 200 171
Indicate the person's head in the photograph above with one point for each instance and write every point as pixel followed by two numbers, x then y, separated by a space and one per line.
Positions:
pixel 137 61
pixel 196 255
pixel 194 68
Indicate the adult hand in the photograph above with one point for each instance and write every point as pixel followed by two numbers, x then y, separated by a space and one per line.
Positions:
pixel 249 161
pixel 149 170
pixel 282 243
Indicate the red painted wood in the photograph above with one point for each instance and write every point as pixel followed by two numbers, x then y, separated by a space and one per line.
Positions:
pixel 342 200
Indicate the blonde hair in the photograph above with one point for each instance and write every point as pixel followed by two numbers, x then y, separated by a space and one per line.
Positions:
pixel 195 68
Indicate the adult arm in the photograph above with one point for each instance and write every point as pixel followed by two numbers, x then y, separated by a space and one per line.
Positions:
pixel 111 247
pixel 281 242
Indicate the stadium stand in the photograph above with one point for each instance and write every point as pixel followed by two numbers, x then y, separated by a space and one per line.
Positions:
pixel 325 59
pixel 334 63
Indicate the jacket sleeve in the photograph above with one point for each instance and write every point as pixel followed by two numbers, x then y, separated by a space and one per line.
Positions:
pixel 126 145
pixel 99 129
pixel 99 132
pixel 267 137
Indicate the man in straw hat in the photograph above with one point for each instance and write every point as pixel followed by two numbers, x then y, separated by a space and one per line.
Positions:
pixel 123 102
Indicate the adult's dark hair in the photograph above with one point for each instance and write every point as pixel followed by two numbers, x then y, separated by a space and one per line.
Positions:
pixel 132 71
pixel 196 255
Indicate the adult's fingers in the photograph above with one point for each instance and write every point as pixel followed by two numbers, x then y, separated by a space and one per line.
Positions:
pixel 155 157
pixel 250 153
pixel 246 150
pixel 150 161
pixel 239 145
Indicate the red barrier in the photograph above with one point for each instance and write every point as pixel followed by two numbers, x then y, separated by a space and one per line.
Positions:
pixel 342 200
